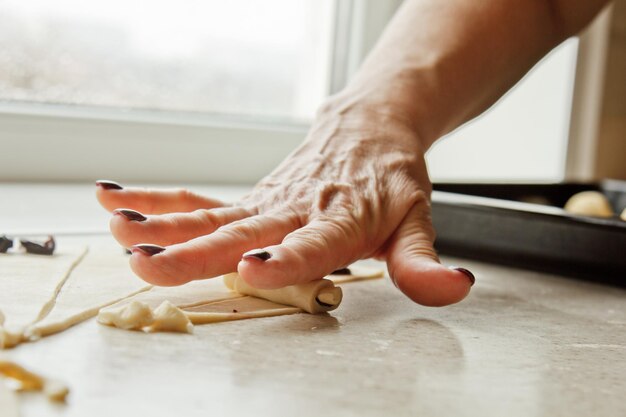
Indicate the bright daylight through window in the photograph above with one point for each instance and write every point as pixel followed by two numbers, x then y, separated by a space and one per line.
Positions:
pixel 236 57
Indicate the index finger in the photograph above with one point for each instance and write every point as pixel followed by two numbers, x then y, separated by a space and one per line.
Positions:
pixel 112 196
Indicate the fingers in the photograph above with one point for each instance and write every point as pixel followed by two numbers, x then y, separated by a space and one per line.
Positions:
pixel 309 253
pixel 211 255
pixel 148 201
pixel 130 227
pixel 414 266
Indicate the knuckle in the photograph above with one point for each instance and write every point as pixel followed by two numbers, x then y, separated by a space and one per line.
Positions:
pixel 247 229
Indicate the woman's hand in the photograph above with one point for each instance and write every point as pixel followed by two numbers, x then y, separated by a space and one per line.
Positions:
pixel 356 188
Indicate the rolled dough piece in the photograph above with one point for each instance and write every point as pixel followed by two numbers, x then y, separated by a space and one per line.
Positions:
pixel 589 203
pixel 313 297
pixel 101 279
pixel 169 318
pixel 623 215
pixel 132 316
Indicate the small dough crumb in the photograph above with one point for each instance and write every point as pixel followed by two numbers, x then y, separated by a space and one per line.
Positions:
pixel 133 316
pixel 169 318
pixel 9 339
pixel 589 203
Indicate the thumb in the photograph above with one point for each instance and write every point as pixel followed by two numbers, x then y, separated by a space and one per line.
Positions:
pixel 414 266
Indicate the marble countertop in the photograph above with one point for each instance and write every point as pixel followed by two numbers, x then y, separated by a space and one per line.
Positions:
pixel 522 344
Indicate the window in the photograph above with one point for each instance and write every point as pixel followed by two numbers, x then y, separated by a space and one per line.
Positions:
pixel 523 137
pixel 214 91
pixel 240 57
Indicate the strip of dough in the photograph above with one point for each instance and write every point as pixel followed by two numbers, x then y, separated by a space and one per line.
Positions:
pixel 357 273
pixel 313 297
pixel 101 279
pixel 29 287
pixel 237 309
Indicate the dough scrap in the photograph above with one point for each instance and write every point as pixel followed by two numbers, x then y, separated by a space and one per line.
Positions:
pixel 305 296
pixel 132 316
pixel 30 381
pixel 29 287
pixel 169 318
pixel 101 279
pixel 589 203
pixel 623 215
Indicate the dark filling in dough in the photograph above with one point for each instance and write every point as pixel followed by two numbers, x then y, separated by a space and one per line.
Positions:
pixel 47 248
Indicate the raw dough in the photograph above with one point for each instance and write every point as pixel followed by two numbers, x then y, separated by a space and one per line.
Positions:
pixel 29 286
pixel 237 309
pixel 102 278
pixel 313 297
pixel 209 301
pixel 589 203
pixel 623 215
pixel 169 318
pixel 357 273
pixel 132 316
pixel 30 381
pixel 44 295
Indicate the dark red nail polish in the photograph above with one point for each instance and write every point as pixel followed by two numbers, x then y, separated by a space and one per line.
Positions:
pixel 342 271
pixel 147 249
pixel 131 215
pixel 257 254
pixel 109 185
pixel 466 272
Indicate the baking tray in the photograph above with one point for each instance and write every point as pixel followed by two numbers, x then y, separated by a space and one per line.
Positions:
pixel 524 225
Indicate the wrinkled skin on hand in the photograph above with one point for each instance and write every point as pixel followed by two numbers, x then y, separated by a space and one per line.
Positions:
pixel 356 188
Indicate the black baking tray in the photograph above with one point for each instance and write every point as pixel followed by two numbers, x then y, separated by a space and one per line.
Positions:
pixel 524 225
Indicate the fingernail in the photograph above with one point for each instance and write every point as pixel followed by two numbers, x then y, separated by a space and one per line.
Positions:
pixel 257 254
pixel 131 215
pixel 109 185
pixel 147 249
pixel 466 272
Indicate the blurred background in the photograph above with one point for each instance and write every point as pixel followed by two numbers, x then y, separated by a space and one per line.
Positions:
pixel 219 92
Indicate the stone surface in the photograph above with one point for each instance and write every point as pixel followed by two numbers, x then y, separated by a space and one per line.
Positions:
pixel 522 344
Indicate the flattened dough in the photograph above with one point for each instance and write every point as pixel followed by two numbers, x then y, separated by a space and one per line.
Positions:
pixel 210 301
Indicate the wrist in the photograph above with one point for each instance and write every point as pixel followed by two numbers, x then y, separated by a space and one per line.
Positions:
pixel 390 99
